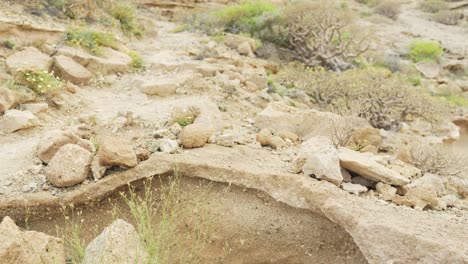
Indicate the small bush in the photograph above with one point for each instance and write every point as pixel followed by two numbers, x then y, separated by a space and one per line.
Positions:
pixel 93 41
pixel 41 82
pixel 9 44
pixel 137 62
pixel 423 50
pixel 126 15
pixel 455 100
pixel 383 98
pixel 437 160
pixel 388 8
pixel 447 17
pixel 432 6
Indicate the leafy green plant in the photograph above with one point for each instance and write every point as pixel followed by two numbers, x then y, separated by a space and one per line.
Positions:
pixel 9 44
pixel 137 62
pixel 91 40
pixel 425 50
pixel 41 82
pixel 184 121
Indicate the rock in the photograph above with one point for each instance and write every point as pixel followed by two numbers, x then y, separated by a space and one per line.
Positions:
pixel 51 142
pixel 162 133
pixel 353 188
pixel 463 84
pixel 387 192
pixel 366 136
pixel 117 152
pixel 404 169
pixel 7 99
pixel 110 61
pixel 70 87
pixel 429 181
pixel 320 159
pixel 234 41
pixel 118 243
pixel 251 87
pixel 28 59
pixel 69 166
pixel 289 135
pixel 175 129
pixel 35 108
pixel 279 117
pixel 207 70
pixel 346 175
pixel 14 120
pixel 257 77
pixel 420 198
pixel 168 145
pixel 195 135
pixel 263 137
pixel 225 140
pixel 245 49
pixel 363 181
pixel 97 169
pixel 276 142
pixel 28 247
pixel 452 201
pixel 162 87
pixel 366 166
pixel 430 69
pixel 68 69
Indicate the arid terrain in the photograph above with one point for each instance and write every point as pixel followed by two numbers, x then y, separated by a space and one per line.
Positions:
pixel 287 132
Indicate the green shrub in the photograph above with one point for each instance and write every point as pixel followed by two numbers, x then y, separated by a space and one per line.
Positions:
pixel 432 6
pixel 9 44
pixel 93 41
pixel 383 98
pixel 424 50
pixel 137 62
pixel 244 16
pixel 41 82
pixel 126 14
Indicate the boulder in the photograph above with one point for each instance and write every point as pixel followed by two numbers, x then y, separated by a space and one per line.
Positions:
pixel 69 166
pixel 53 140
pixel 162 87
pixel 429 181
pixel 257 77
pixel 386 191
pixel 70 70
pixel 263 137
pixel 289 135
pixel 118 243
pixel 195 135
pixel 28 247
pixel 245 49
pixel 35 108
pixel 353 188
pixel 207 70
pixel 365 165
pixel 168 145
pixel 14 120
pixel 117 152
pixel 234 41
pixel 7 99
pixel 320 159
pixel 430 69
pixel 225 140
pixel 28 59
pixel 97 169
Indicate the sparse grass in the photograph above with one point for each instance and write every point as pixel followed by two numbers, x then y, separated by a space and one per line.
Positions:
pixel 41 82
pixel 180 28
pixel 425 50
pixel 91 40
pixel 125 13
pixel 137 62
pixel 71 234
pixel 455 100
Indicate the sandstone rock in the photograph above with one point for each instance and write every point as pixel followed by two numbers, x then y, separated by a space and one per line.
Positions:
pixel 207 70
pixel 363 181
pixel 7 99
pixel 70 70
pixel 289 135
pixel 320 159
pixel 257 77
pixel 14 120
pixel 429 181
pixel 346 175
pixel 28 247
pixel 225 140
pixel 168 145
pixel 28 59
pixel 250 86
pixel 366 166
pixel 160 87
pixel 276 142
pixel 234 41
pixel 420 198
pixel 97 169
pixel 387 192
pixel 117 152
pixel 353 188
pixel 263 137
pixel 53 140
pixel 195 135
pixel 35 108
pixel 430 69
pixel 69 166
pixel 366 136
pixel 452 201
pixel 245 49
pixel 118 243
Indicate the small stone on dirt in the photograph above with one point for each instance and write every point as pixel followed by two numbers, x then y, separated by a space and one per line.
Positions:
pixel 195 135
pixel 14 120
pixel 117 152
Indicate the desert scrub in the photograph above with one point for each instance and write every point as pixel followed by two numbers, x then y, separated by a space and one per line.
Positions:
pixel 383 98
pixel 448 17
pixel 388 8
pixel 71 234
pixel 9 44
pixel 437 159
pixel 455 100
pixel 432 6
pixel 425 50
pixel 137 62
pixel 93 41
pixel 41 82
pixel 125 13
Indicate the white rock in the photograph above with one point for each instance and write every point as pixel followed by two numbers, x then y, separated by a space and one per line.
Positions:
pixel 14 120
pixel 35 108
pixel 168 145
pixel 353 188
pixel 28 59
